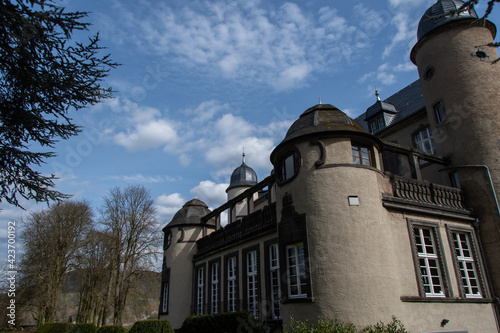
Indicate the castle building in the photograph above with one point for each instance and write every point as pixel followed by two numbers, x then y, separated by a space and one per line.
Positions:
pixel 394 213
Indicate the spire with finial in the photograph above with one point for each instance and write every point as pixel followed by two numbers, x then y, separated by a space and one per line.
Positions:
pixel 243 156
pixel 320 101
pixel 377 94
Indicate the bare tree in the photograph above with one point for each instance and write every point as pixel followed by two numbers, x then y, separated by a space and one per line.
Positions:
pixel 129 218
pixel 51 239
pixel 94 273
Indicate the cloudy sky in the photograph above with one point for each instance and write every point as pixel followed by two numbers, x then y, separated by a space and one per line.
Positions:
pixel 202 80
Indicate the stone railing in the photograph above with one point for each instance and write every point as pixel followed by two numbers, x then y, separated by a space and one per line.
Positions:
pixel 427 193
pixel 251 225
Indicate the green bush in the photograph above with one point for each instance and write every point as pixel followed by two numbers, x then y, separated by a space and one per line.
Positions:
pixel 393 327
pixel 152 326
pixel 111 329
pixel 323 326
pixel 227 322
pixel 83 328
pixel 54 328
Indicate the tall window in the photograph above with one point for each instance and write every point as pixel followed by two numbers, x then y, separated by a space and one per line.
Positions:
pixel 296 267
pixel 361 155
pixel 252 288
pixel 200 290
pixel 466 265
pixel 274 272
pixel 424 141
pixel 231 284
pixel 428 261
pixel 214 288
pixel 439 112
pixel 165 298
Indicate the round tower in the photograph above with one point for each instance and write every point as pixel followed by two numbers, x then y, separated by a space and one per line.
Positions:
pixel 242 178
pixel 179 248
pixel 329 186
pixel 461 88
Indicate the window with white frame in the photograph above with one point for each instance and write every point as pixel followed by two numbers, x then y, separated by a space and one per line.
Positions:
pixel 214 288
pixel 252 288
pixel 200 290
pixel 165 298
pixel 428 261
pixel 231 284
pixel 466 264
pixel 424 141
pixel 296 268
pixel 274 272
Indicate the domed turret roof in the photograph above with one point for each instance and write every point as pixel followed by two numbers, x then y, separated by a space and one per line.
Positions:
pixel 442 12
pixel 243 176
pixel 190 214
pixel 322 118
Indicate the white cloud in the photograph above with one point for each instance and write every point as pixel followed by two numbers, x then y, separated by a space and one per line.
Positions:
pixel 292 76
pixel 140 179
pixel 211 193
pixel 279 47
pixel 148 135
pixel 168 204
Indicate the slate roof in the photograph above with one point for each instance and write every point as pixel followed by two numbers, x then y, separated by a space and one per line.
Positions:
pixel 190 214
pixel 439 14
pixel 243 176
pixel 407 102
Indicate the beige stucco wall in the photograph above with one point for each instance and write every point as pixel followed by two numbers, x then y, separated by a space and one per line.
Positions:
pixel 361 261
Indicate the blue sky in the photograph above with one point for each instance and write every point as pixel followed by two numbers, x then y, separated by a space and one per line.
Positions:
pixel 200 80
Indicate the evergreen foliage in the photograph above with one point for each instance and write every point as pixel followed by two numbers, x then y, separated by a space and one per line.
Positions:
pixel 152 326
pixel 43 75
pixel 111 329
pixel 227 322
pixel 54 328
pixel 83 328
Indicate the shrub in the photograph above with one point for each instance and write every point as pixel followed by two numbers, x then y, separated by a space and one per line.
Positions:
pixel 227 322
pixel 393 327
pixel 54 328
pixel 83 328
pixel 152 326
pixel 111 329
pixel 323 326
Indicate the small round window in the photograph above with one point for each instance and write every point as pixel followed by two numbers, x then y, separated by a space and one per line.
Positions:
pixel 288 166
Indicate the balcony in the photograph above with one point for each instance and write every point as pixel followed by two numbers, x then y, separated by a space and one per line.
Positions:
pixel 409 193
pixel 247 227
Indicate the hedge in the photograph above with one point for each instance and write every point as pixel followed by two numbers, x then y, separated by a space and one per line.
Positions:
pixel 83 328
pixel 227 322
pixel 111 329
pixel 152 326
pixel 54 328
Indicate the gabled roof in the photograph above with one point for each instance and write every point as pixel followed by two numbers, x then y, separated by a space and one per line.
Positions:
pixel 407 102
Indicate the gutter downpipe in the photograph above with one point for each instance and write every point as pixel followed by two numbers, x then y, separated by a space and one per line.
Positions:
pixel 476 226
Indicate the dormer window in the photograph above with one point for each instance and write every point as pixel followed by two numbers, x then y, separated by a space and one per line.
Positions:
pixel 377 124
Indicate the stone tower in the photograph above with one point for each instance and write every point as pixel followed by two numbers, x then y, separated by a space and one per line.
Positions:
pixel 328 191
pixel 461 88
pixel 179 247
